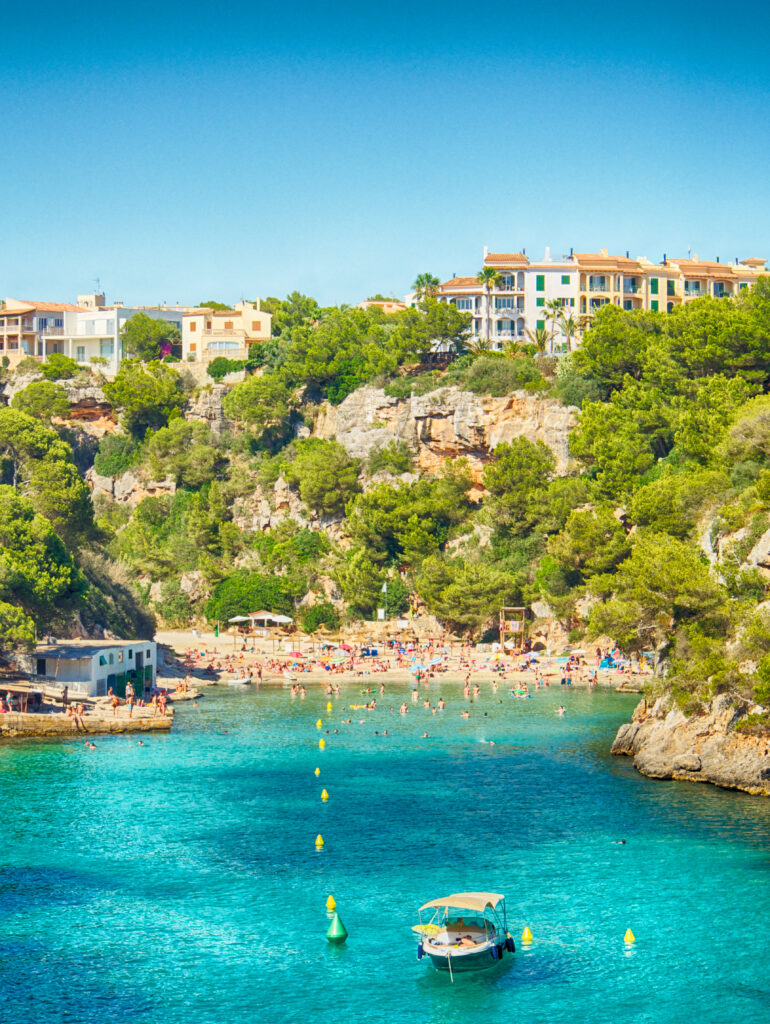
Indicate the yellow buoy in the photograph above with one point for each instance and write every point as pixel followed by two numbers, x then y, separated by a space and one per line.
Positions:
pixel 629 937
pixel 319 841
pixel 330 706
pixel 331 903
pixel 526 935
pixel 319 724
pixel 322 743
pixel 324 795
pixel 317 772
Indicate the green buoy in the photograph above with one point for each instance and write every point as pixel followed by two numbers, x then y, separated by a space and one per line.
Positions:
pixel 337 932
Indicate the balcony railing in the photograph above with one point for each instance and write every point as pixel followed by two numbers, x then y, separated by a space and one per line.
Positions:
pixel 631 289
pixel 217 332
pixel 58 331
pixel 507 311
pixel 600 285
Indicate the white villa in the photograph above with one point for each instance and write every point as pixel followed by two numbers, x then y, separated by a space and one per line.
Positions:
pixel 90 330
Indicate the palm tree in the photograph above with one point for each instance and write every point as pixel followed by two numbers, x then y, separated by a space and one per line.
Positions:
pixel 554 312
pixel 572 326
pixel 478 345
pixel 539 338
pixel 425 286
pixel 514 348
pixel 489 277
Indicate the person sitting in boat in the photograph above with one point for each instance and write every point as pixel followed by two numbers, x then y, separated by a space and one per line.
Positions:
pixel 466 940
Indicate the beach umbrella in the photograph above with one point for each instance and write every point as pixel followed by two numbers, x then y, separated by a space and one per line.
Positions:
pixel 435 661
pixel 419 667
pixel 561 661
pixel 337 659
pixel 239 618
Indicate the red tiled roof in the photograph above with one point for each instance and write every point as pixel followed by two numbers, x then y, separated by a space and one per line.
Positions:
pixel 597 261
pixel 460 282
pixel 27 306
pixel 506 257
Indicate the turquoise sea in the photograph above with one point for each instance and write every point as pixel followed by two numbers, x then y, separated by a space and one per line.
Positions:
pixel 178 881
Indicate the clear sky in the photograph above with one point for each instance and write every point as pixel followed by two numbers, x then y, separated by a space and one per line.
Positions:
pixel 189 151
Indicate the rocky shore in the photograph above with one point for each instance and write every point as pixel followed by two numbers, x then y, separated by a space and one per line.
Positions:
pixel 667 744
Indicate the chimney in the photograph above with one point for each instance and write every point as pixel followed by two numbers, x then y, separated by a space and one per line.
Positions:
pixel 571 251
pixel 547 255
pixel 664 259
pixel 486 251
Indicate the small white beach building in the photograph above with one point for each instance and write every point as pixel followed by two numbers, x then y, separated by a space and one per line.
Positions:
pixel 91 667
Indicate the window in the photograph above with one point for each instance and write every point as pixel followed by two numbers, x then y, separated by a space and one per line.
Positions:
pixel 670 288
pixel 467 303
pixel 541 325
pixel 130 654
pixel 540 301
pixel 653 286
pixel 193 327
pixel 540 282
pixel 112 659
pixel 565 278
pixel 228 325
pixel 41 666
pixel 106 348
pixel 255 325
pixel 192 346
pixel 42 323
pixel 670 307
pixel 80 354
pixel 58 322
pixel 102 659
pixel 654 305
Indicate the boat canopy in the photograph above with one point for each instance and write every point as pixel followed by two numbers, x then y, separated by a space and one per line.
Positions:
pixel 478 901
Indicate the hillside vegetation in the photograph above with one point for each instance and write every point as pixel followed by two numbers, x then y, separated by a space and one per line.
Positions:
pixel 654 536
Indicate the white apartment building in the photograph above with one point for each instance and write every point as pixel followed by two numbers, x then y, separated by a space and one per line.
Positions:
pixel 521 302
pixel 93 330
pixel 208 333
pixel 23 326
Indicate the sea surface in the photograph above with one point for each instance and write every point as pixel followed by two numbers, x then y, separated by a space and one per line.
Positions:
pixel 178 881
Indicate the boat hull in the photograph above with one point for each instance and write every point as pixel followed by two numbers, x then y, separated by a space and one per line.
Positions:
pixel 473 960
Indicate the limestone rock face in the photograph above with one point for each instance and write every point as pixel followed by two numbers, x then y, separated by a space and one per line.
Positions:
pixel 446 423
pixel 207 408
pixel 128 488
pixel 666 744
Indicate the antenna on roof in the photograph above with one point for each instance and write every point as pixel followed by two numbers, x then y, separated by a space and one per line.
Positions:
pixel 98 284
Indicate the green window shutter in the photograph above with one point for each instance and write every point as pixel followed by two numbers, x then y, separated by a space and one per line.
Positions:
pixel 572 303
pixel 670 288
pixel 540 282
pixel 541 301
pixel 654 305
pixel 540 325
pixel 654 285
pixel 670 307
pixel 565 278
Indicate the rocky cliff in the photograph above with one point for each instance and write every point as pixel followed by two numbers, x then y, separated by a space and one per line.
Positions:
pixel 667 744
pixel 446 423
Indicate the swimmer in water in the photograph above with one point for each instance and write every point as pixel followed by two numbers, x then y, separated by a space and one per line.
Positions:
pixel 560 710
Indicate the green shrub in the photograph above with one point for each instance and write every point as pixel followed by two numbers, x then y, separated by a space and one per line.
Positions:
pixel 498 376
pixel 59 367
pixel 28 365
pixel 221 366
pixel 244 592
pixel 174 606
pixel 117 453
pixel 394 457
pixel 322 614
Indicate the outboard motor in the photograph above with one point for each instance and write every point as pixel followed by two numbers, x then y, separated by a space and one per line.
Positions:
pixel 420 952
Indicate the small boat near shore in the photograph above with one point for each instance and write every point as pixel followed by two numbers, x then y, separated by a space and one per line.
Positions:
pixel 466 931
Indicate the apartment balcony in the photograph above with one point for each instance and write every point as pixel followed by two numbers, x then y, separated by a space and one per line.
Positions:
pixel 508 311
pixel 48 332
pixel 505 335
pixel 631 289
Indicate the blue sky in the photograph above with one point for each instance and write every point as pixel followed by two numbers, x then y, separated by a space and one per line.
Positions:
pixel 186 152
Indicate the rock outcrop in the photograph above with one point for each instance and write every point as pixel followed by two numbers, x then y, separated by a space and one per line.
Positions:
pixel 127 488
pixel 446 423
pixel 207 408
pixel 667 744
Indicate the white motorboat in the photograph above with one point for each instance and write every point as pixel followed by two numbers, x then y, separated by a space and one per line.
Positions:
pixel 465 931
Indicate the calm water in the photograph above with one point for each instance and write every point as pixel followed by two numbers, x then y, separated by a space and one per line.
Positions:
pixel 179 881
